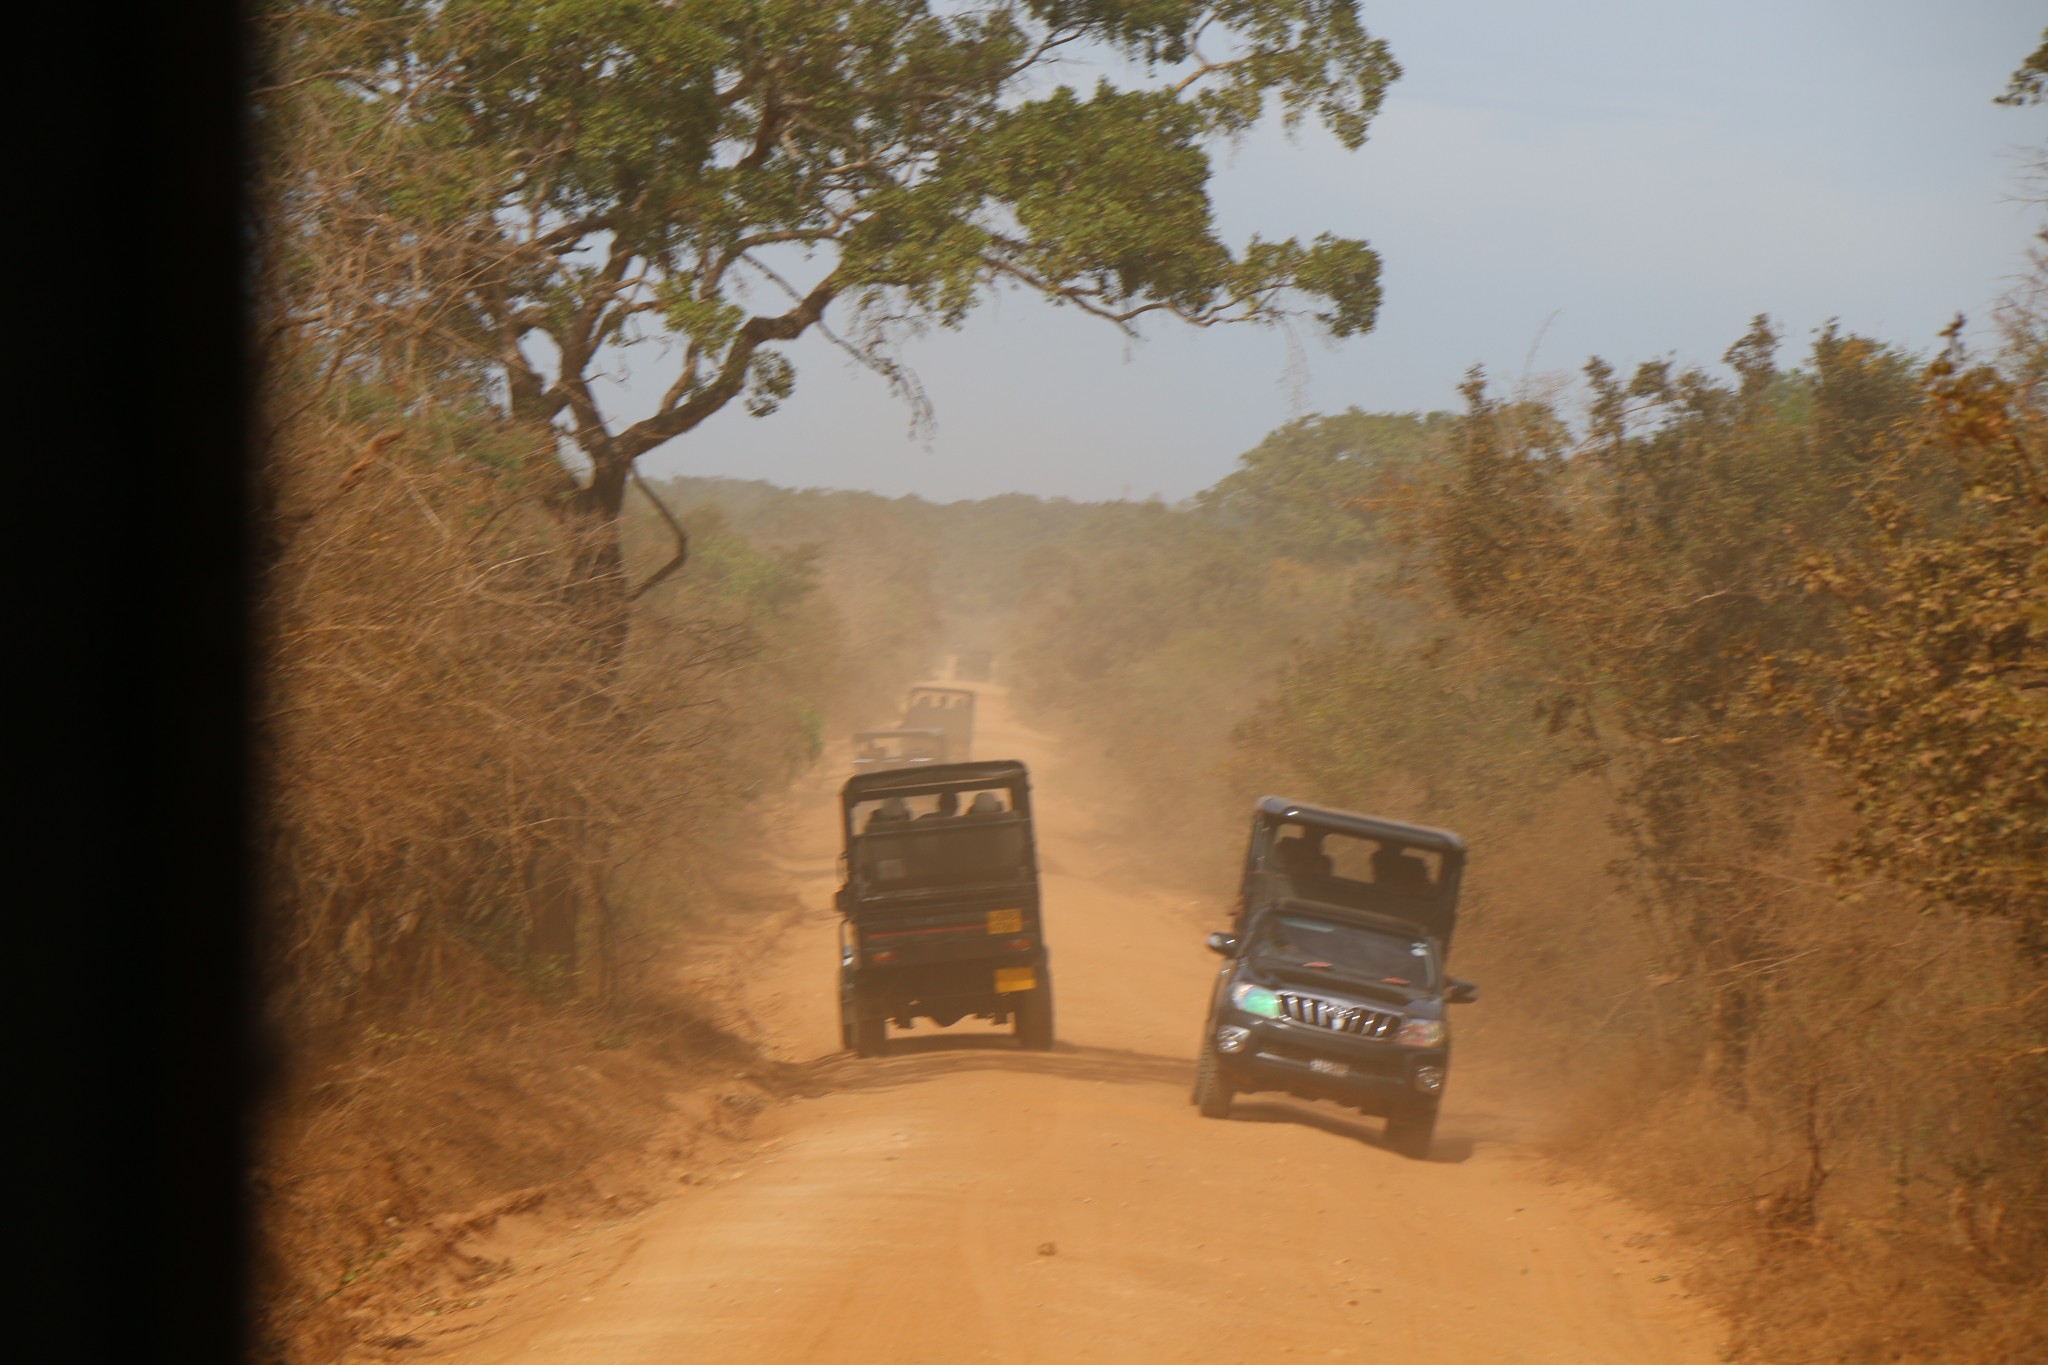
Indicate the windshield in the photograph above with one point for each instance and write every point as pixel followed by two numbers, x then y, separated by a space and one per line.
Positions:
pixel 1307 944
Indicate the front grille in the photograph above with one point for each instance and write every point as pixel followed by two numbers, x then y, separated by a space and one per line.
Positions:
pixel 1352 1019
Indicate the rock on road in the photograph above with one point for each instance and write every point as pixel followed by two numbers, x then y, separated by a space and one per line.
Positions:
pixel 960 1200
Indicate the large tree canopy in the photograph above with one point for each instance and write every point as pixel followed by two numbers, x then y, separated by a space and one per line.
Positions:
pixel 576 175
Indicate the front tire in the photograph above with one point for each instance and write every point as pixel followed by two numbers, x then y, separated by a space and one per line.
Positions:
pixel 1034 1018
pixel 1212 1092
pixel 1411 1133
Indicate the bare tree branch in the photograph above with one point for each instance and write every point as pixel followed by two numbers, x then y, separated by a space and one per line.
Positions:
pixel 682 554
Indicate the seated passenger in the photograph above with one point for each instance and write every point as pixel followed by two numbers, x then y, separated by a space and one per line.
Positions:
pixel 985 803
pixel 1302 853
pixel 891 812
pixel 1403 873
pixel 949 806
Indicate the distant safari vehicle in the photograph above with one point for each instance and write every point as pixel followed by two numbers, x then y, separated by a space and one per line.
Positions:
pixel 973 665
pixel 1335 987
pixel 876 750
pixel 943 708
pixel 940 903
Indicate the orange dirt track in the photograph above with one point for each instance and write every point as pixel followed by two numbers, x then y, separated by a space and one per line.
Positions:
pixel 960 1200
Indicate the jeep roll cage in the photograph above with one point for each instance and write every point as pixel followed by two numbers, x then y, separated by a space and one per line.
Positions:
pixel 921 857
pixel 1422 901
pixel 945 708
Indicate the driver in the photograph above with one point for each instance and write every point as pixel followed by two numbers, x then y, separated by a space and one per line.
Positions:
pixel 1303 852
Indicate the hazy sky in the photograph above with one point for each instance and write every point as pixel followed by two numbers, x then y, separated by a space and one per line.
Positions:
pixel 1544 183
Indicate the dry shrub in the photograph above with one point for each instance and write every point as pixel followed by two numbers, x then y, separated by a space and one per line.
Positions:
pixel 458 768
pixel 435 720
pixel 1874 1188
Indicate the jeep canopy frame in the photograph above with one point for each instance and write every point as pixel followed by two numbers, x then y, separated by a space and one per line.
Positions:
pixel 1421 897
pixel 937 779
pixel 944 708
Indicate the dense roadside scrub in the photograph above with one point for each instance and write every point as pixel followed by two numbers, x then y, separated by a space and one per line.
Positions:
pixel 501 769
pixel 485 838
pixel 453 773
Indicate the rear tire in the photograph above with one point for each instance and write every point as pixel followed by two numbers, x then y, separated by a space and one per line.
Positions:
pixel 1034 1017
pixel 870 1037
pixel 1410 1134
pixel 1212 1091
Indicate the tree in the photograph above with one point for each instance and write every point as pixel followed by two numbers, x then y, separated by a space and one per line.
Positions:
pixel 1937 705
pixel 587 174
pixel 1318 487
pixel 2029 84
pixel 1644 576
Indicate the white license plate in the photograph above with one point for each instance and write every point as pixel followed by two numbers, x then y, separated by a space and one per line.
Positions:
pixel 1328 1067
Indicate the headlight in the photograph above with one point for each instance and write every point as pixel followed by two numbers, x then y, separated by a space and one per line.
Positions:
pixel 1255 1000
pixel 1421 1033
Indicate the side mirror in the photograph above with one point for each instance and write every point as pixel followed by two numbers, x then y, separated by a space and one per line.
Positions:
pixel 1463 992
pixel 1225 944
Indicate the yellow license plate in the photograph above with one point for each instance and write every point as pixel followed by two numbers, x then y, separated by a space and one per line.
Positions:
pixel 1006 921
pixel 1010 979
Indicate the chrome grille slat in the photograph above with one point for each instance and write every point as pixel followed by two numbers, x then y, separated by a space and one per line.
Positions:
pixel 1357 1020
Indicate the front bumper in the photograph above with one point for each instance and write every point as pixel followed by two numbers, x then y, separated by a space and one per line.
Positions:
pixel 1322 1064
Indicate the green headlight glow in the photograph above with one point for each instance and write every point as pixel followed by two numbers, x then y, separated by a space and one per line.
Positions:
pixel 1255 1000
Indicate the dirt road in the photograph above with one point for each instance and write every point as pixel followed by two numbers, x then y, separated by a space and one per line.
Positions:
pixel 960 1200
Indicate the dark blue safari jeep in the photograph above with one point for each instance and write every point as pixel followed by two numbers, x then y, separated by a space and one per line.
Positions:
pixel 1334 985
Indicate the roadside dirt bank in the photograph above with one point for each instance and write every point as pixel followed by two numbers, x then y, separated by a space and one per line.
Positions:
pixel 393 1162
pixel 960 1200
